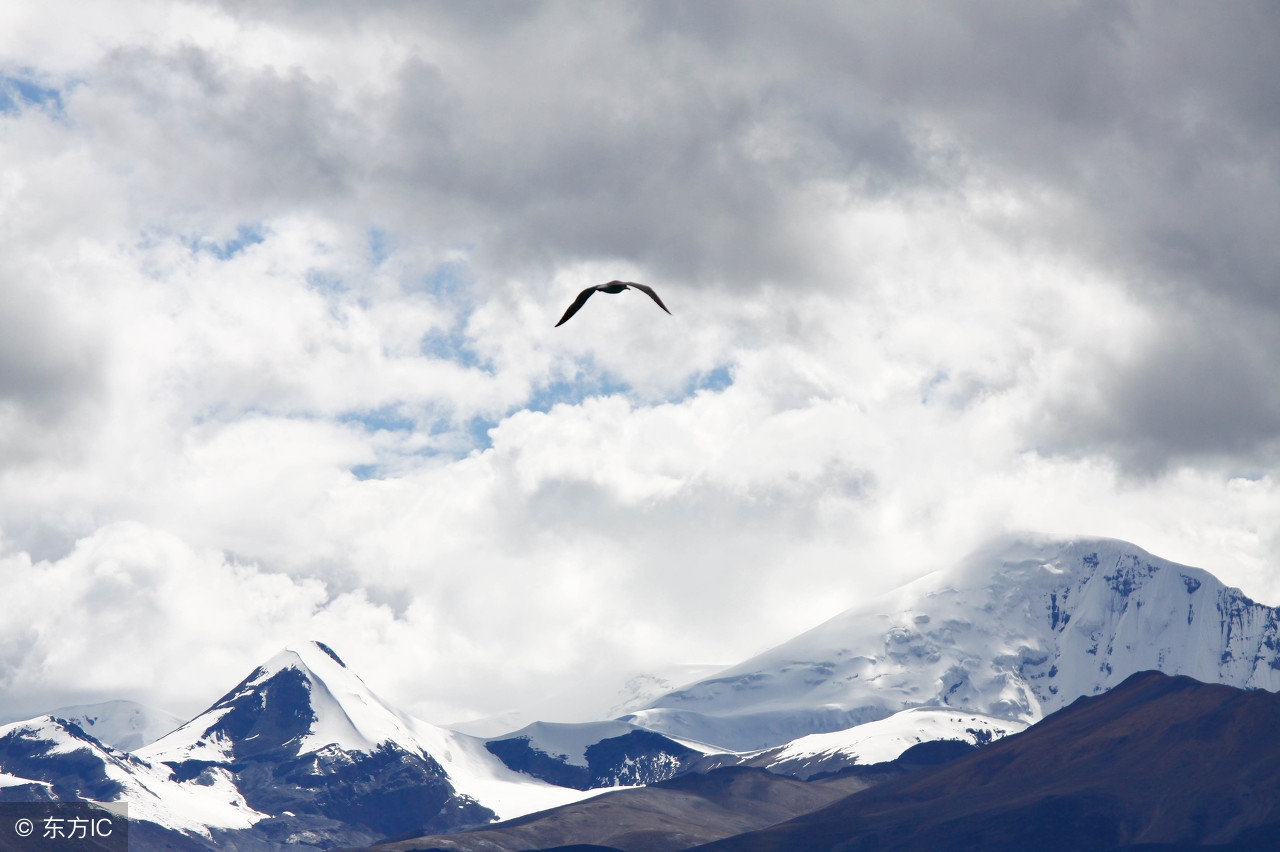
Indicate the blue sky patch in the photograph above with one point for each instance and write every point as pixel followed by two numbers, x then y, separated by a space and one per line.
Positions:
pixel 17 92
pixel 590 383
pixel 713 380
pixel 450 284
pixel 452 345
pixel 449 279
pixel 478 429
pixel 380 246
pixel 246 236
pixel 574 391
pixel 385 419
pixel 326 282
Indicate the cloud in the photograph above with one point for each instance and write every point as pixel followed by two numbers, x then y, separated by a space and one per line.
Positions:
pixel 89 622
pixel 631 144
pixel 37 375
pixel 51 376
pixel 1199 389
pixel 279 285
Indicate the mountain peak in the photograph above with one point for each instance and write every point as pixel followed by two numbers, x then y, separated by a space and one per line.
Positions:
pixel 1018 629
pixel 324 734
pixel 315 658
pixel 302 700
pixel 299 749
pixel 332 654
pixel 313 654
pixel 124 725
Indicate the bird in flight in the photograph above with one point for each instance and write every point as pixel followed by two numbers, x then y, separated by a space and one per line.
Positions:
pixel 611 287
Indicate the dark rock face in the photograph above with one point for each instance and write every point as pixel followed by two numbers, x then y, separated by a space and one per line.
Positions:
pixel 1160 760
pixel 935 753
pixel 518 754
pixel 267 719
pixel 640 757
pixel 635 758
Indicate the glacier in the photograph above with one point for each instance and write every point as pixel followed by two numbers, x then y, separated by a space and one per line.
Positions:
pixel 1018 629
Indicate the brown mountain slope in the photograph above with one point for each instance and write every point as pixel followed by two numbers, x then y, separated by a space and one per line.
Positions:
pixel 670 816
pixel 1158 760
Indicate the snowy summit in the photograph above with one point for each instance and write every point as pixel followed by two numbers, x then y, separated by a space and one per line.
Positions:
pixel 1017 630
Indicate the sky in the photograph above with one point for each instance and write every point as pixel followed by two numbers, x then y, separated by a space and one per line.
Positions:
pixel 278 285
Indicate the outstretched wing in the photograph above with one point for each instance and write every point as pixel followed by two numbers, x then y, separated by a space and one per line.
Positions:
pixel 577 303
pixel 649 292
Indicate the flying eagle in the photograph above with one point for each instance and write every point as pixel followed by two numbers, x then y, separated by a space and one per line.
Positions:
pixel 611 287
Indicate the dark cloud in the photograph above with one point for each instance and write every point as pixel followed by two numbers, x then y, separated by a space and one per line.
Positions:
pixel 561 133
pixel 710 143
pixel 683 136
pixel 1203 390
pixel 1156 124
pixel 206 141
pixel 1150 133
pixel 49 369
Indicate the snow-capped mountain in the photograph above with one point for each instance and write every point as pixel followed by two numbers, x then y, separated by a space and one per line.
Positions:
pixel 1017 630
pixel 51 759
pixel 1157 762
pixel 300 755
pixel 123 725
pixel 881 741
pixel 589 755
pixel 310 746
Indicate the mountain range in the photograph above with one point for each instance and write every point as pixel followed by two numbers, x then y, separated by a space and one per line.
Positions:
pixel 300 755
pixel 1158 764
pixel 1020 628
pixel 303 755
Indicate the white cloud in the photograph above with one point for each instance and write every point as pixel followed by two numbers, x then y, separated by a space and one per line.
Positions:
pixel 277 356
pixel 134 610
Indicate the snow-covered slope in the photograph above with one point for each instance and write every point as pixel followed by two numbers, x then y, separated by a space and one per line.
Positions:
pixel 66 764
pixel 124 725
pixel 339 711
pixel 305 711
pixel 883 740
pixel 1015 631
pixel 300 752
